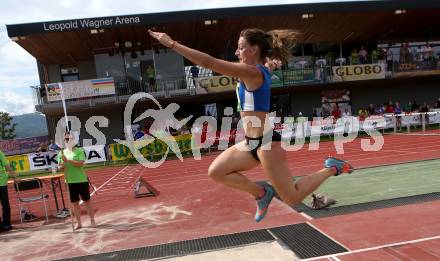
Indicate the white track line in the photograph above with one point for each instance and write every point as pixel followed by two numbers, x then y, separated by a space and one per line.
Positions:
pixel 105 183
pixel 327 235
pixel 306 216
pixel 114 176
pixel 375 248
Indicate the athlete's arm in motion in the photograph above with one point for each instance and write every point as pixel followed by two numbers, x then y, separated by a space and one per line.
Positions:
pixel 247 73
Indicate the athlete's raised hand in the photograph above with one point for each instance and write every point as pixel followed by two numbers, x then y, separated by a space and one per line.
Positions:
pixel 163 38
pixel 273 64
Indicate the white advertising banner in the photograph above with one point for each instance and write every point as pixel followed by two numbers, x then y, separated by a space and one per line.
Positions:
pixel 80 89
pixel 45 160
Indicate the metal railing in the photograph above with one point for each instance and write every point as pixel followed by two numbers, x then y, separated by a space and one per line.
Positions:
pixel 186 85
pixel 394 64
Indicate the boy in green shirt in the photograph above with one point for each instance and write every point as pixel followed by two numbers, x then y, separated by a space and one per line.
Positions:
pixel 5 167
pixel 71 160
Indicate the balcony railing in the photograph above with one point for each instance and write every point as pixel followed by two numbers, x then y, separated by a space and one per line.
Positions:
pixel 185 86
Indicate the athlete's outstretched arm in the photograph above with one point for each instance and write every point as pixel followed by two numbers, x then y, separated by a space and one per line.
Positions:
pixel 239 70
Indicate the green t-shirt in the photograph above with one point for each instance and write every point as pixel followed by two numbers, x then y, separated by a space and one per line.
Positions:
pixel 3 175
pixel 150 73
pixel 73 174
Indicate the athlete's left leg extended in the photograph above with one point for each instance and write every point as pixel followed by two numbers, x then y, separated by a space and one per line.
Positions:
pixel 292 193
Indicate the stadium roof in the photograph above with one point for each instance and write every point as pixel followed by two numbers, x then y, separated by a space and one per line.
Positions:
pixel 73 40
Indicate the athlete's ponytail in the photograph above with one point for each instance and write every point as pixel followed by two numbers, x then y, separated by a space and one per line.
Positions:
pixel 282 42
pixel 274 44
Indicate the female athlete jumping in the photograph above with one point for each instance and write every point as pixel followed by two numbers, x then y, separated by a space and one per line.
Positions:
pixel 255 48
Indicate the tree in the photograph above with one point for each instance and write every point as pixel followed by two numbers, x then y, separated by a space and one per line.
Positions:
pixel 7 128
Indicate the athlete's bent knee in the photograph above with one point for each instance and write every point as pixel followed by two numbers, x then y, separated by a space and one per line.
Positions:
pixel 215 173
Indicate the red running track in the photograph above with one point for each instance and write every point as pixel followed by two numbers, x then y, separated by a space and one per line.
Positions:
pixel 192 206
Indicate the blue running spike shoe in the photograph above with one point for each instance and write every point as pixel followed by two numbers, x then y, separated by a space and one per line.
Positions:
pixel 263 203
pixel 341 166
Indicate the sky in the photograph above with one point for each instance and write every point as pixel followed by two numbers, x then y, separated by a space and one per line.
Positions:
pixel 18 69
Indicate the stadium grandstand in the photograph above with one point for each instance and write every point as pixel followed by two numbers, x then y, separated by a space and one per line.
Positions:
pixel 401 36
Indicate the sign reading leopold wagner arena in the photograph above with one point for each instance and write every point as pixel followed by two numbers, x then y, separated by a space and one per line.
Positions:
pixel 96 23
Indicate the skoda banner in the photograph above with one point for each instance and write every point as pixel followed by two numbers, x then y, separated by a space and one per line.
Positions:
pixel 45 160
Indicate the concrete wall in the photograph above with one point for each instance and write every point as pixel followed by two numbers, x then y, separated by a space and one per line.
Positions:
pixel 54 73
pixel 109 66
pixel 87 70
pixel 168 65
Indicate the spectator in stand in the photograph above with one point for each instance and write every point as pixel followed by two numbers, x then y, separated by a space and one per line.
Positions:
pixel 363 55
pixel 405 54
pixel 151 76
pixel 389 58
pixel 381 56
pixel 146 129
pixel 424 109
pixel 326 110
pixel 408 107
pixel 138 134
pixel 336 113
pixel 420 53
pixel 346 113
pixel 184 130
pixel 53 146
pixel 415 106
pixel 425 52
pixel 438 104
pixel 371 109
pixel 374 56
pixel 354 57
pixel 314 115
pixel 363 114
pixel 195 74
pixel 174 132
pixel 384 107
pixel 379 110
pixel 389 107
pixel 398 111
pixel 320 71
pixel 430 53
pixel 397 108
pixel 43 147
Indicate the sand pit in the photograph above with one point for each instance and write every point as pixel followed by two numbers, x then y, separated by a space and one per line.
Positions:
pixel 255 252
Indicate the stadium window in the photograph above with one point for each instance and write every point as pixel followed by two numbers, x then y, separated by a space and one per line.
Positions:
pixel 307 16
pixel 69 72
pixel 210 22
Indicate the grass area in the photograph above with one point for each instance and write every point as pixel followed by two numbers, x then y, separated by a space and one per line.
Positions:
pixel 387 182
